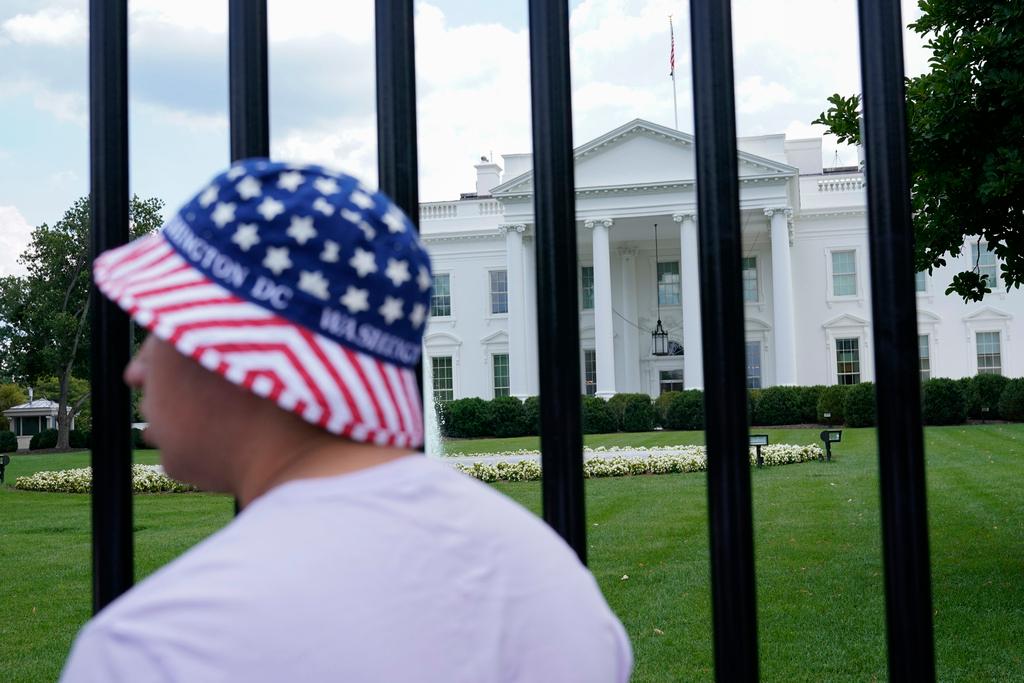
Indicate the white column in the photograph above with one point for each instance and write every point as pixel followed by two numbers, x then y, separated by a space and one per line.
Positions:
pixel 782 298
pixel 693 358
pixel 517 306
pixel 604 335
pixel 630 340
pixel 530 289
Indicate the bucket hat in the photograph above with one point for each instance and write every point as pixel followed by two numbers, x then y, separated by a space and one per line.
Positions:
pixel 296 283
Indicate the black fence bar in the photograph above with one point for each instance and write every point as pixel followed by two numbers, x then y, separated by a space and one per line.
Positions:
pixel 894 310
pixel 725 393
pixel 397 157
pixel 558 327
pixel 247 68
pixel 112 549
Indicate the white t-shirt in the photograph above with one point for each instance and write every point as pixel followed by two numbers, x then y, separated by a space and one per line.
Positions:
pixel 408 571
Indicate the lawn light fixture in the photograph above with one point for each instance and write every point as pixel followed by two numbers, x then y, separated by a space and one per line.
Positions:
pixel 659 337
pixel 830 436
pixel 984 413
pixel 828 418
pixel 757 441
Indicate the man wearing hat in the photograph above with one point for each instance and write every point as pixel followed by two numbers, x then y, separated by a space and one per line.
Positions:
pixel 286 307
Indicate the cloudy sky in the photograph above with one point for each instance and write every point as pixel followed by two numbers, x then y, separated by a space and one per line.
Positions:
pixel 473 87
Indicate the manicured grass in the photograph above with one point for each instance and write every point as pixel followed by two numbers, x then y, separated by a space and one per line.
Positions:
pixel 817 540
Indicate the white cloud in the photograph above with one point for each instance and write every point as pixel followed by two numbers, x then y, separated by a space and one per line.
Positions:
pixel 753 95
pixel 49 26
pixel 14 236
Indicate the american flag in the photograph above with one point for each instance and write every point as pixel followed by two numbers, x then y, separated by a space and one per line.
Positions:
pixel 301 285
pixel 672 49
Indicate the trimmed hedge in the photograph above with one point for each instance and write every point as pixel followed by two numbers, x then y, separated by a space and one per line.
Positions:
pixel 8 442
pixel 468 418
pixel 1011 403
pixel 985 391
pixel 44 439
pixel 531 411
pixel 859 405
pixel 808 399
pixel 943 402
pixel 661 407
pixel 832 400
pixel 776 406
pixel 633 412
pixel 506 417
pixel 686 410
pixel 598 418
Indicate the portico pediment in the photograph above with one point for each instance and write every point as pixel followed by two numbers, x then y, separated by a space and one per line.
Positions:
pixel 987 313
pixel 641 156
pixel 845 320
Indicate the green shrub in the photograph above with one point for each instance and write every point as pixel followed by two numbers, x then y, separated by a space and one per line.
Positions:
pixel 619 404
pixel 831 400
pixel 808 400
pixel 79 438
pixel 637 413
pixel 686 410
pixel 468 418
pixel 753 398
pixel 8 442
pixel 859 405
pixel 985 392
pixel 598 418
pixel 943 402
pixel 506 417
pixel 777 406
pixel 661 407
pixel 44 439
pixel 1011 403
pixel 531 415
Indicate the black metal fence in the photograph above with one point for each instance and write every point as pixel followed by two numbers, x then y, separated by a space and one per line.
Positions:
pixel 900 441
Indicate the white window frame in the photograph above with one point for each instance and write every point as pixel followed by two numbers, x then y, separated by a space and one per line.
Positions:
pixel 991 319
pixel 1002 350
pixel 760 365
pixel 662 383
pixel 657 282
pixel 927 283
pixel 845 327
pixel 583 370
pixel 928 345
pixel 443 343
pixel 451 298
pixel 489 312
pixel 433 378
pixel 994 283
pixel 508 368
pixel 858 272
pixel 757 281
pixel 593 288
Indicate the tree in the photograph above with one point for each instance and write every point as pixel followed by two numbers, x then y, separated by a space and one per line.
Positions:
pixel 44 315
pixel 966 137
pixel 10 395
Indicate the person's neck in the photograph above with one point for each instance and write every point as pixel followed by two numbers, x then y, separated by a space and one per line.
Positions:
pixel 316 455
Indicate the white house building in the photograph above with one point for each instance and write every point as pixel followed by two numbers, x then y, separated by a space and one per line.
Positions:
pixel 805 275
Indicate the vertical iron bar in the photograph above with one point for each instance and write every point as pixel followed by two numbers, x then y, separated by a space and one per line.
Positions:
pixel 725 393
pixel 397 161
pixel 112 550
pixel 247 68
pixel 557 319
pixel 893 304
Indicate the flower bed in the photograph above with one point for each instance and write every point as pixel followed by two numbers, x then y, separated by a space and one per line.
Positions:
pixel 145 479
pixel 658 460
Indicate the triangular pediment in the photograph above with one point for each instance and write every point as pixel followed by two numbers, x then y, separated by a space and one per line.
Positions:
pixel 987 313
pixel 845 320
pixel 499 337
pixel 642 155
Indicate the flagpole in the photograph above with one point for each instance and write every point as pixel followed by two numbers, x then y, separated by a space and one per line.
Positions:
pixel 672 72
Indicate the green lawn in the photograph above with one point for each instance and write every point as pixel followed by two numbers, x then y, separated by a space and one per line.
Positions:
pixel 818 558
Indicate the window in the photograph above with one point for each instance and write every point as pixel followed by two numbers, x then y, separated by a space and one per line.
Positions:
pixel 441 372
pixel 750 280
pixel 499 362
pixel 670 380
pixel 848 361
pixel 921 281
pixel 441 299
pixel 587 286
pixel 499 291
pixel 989 356
pixel 590 372
pixel 924 356
pixel 753 365
pixel 986 263
pixel 669 293
pixel 844 273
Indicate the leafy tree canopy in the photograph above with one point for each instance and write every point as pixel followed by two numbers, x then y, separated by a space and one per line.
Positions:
pixel 10 395
pixel 966 137
pixel 44 314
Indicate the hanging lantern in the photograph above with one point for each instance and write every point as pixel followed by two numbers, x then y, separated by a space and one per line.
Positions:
pixel 659 341
pixel 659 337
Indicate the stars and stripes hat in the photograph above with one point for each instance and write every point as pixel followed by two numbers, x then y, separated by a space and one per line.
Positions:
pixel 299 284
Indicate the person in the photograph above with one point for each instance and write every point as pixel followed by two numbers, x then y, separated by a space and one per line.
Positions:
pixel 285 307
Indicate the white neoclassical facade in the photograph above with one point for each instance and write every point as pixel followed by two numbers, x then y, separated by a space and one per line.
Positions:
pixel 806 284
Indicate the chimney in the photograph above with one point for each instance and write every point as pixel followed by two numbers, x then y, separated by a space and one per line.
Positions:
pixel 488 176
pixel 30 394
